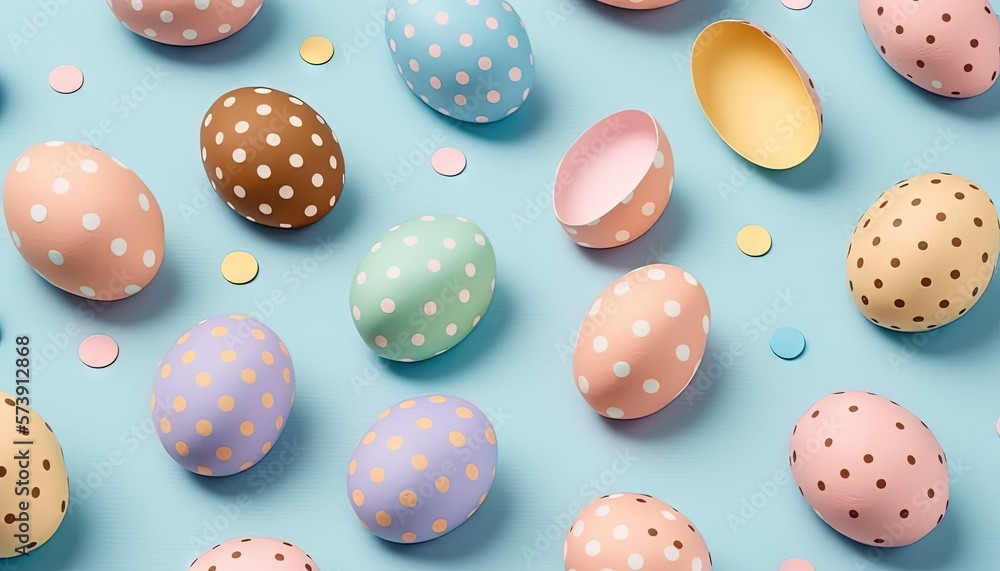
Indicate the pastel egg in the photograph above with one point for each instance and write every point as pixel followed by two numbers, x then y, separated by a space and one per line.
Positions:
pixel 185 22
pixel 422 469
pixel 467 60
pixel 34 497
pixel 634 531
pixel 738 66
pixel 923 254
pixel 639 4
pixel 271 157
pixel 615 181
pixel 222 395
pixel 642 341
pixel 423 287
pixel 948 48
pixel 83 220
pixel 870 469
pixel 254 554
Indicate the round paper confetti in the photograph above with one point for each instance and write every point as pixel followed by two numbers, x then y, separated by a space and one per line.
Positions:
pixel 448 161
pixel 998 427
pixel 98 351
pixel 796 565
pixel 797 5
pixel 316 50
pixel 754 240
pixel 66 79
pixel 240 268
pixel 788 342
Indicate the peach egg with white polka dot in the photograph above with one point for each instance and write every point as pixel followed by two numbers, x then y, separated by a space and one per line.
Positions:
pixel 615 181
pixel 634 532
pixel 83 220
pixel 185 22
pixel 254 554
pixel 642 341
pixel 639 4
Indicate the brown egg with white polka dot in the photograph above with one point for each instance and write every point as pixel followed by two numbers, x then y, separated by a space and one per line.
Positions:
pixel 272 158
pixel 924 253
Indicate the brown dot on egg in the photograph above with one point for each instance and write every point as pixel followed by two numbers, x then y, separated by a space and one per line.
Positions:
pixel 815 413
pixel 9 401
pixel 975 291
pixel 930 39
pixel 946 17
pixel 955 274
pixel 900 426
pixel 35 492
pixel 882 48
pixel 864 299
pixel 237 554
pixel 944 304
pixel 978 222
pixel 861 262
pixel 922 245
pixel 941 217
pixel 652 532
pixel 920 63
pixel 986 257
pixel 3 471
pixel 918 319
pixel 828 443
pixel 279 557
pixel 9 518
pixel 883 204
pixel 911 460
pixel 867 222
pixel 64 506
pixel 879 540
pixel 869 459
pixel 897 223
pixel 678 544
pixel 930 492
pixel 878 284
pixel 46 465
pixel 926 282
pixel 899 303
pixel 691 527
pixel 956 242
pixel 853 408
pixel 821 485
pixel 845 474
pixel 899 29
pixel 915 202
pixel 853 514
pixel 894 262
pixel 880 484
pixel 967 68
pixel 940 517
pixel 876 241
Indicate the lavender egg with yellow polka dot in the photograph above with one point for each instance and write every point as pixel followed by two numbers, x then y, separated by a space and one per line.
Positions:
pixel 467 59
pixel 423 468
pixel 222 395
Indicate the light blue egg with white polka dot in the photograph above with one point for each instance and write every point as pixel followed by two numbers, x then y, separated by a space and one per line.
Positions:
pixel 468 59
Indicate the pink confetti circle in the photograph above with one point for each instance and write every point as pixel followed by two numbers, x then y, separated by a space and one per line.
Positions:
pixel 66 79
pixel 998 427
pixel 98 351
pixel 796 565
pixel 796 4
pixel 448 161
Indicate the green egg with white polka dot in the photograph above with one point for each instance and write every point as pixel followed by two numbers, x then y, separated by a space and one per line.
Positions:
pixel 423 287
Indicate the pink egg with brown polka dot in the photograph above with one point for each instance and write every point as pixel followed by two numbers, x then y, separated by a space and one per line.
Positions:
pixel 946 47
pixel 870 469
pixel 83 220
pixel 634 531
pixel 185 22
pixel 642 341
pixel 254 554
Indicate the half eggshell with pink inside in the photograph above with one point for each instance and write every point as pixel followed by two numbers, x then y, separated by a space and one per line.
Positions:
pixel 615 181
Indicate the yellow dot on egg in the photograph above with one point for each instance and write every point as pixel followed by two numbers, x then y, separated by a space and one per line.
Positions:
pixel 377 475
pixel 224 453
pixel 152 401
pixel 409 537
pixel 408 498
pixel 226 403
pixel 267 357
pixel 248 376
pixel 439 526
pixel 245 466
pixel 753 240
pixel 280 422
pixel 316 50
pixel 266 447
pixel 203 427
pixel 284 349
pixel 437 399
pixel 258 334
pixel 442 483
pixel 203 379
pixel 369 438
pixel 491 436
pixel 384 413
pixel 204 470
pixel 472 472
pixel 287 376
pixel 463 412
pixel 419 461
pixel 359 498
pixel 240 268
pixel 352 467
pixel 383 519
pixel 165 425
pixel 424 423
pixel 482 499
pixel 220 331
pixel 165 371
pixel 407 404
pixel 456 438
pixel 188 357
pixel 180 403
pixel 246 428
pixel 181 448
pixel 184 338
pixel 228 356
pixel 237 316
pixel 267 399
pixel 395 442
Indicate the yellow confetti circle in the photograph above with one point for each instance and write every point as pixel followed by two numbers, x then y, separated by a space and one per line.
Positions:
pixel 240 268
pixel 316 50
pixel 754 240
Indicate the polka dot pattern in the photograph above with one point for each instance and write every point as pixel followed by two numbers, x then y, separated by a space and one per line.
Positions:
pixel 639 4
pixel 185 22
pixel 83 224
pixel 225 390
pixel 634 532
pixel 924 253
pixel 257 553
pixel 272 158
pixel 642 341
pixel 948 48
pixel 423 468
pixel 467 60
pixel 870 469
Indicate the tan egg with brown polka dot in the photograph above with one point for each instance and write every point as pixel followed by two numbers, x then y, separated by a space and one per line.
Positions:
pixel 924 253
pixel 271 157
pixel 254 554
pixel 34 487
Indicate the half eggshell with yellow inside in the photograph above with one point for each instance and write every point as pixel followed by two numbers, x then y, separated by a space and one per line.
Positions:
pixel 615 181
pixel 756 94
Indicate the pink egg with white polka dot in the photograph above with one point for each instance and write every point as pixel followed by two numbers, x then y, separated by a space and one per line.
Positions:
pixel 639 4
pixel 185 22
pixel 83 220
pixel 637 532
pixel 642 341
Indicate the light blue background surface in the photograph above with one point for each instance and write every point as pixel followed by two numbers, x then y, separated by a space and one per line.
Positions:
pixel 707 454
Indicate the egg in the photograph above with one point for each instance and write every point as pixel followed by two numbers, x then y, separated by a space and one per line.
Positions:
pixel 639 4
pixel 924 253
pixel 468 60
pixel 185 22
pixel 642 341
pixel 83 220
pixel 254 554
pixel 36 491
pixel 634 531
pixel 271 157
pixel 222 395
pixel 948 48
pixel 870 469
pixel 422 469
pixel 738 65
pixel 423 287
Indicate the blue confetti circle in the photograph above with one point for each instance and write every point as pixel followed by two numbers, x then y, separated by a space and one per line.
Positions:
pixel 788 343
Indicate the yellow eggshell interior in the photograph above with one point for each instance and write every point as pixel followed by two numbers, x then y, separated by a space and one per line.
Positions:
pixel 754 96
